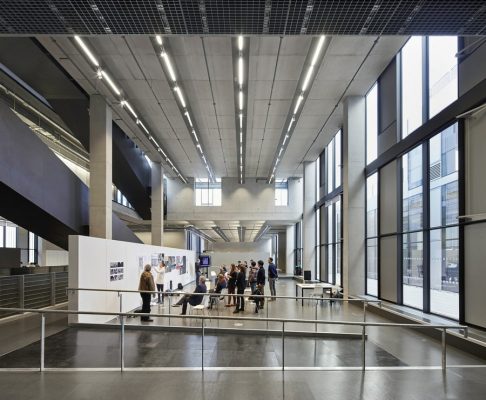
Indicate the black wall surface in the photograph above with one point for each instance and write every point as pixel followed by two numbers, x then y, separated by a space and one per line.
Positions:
pixel 37 191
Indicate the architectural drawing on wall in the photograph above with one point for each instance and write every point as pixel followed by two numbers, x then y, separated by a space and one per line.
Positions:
pixel 117 270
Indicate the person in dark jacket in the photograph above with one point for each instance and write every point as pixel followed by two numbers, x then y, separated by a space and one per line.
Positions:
pixel 272 277
pixel 261 280
pixel 146 284
pixel 240 289
pixel 232 285
pixel 193 300
pixel 220 285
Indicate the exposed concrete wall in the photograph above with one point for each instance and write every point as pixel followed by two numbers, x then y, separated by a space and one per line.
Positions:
pixel 250 201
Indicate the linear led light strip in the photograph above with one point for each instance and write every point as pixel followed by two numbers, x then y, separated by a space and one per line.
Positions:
pixel 240 99
pixel 178 90
pixel 103 74
pixel 298 103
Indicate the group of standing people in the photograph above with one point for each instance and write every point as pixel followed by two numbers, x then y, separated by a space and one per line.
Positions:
pixel 237 282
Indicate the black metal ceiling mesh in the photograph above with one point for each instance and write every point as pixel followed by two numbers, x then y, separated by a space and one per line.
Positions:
pixel 251 17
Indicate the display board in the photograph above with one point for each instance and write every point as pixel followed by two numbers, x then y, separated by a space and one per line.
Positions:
pixel 97 263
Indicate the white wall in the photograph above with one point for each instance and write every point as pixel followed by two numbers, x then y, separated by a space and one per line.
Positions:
pixel 251 201
pixel 51 255
pixel 89 267
pixel 228 253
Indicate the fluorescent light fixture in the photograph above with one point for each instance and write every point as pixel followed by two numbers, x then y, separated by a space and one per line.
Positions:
pixel 148 160
pixel 240 71
pixel 240 43
pixel 285 139
pixel 188 117
pixel 307 78
pixel 142 126
pixel 200 148
pixel 181 98
pixel 241 149
pixel 297 105
pixel 280 152
pixel 240 99
pixel 162 151
pixel 125 103
pixel 276 161
pixel 88 53
pixel 159 40
pixel 318 50
pixel 241 121
pixel 241 136
pixel 204 159
pixel 110 82
pixel 290 124
pixel 195 135
pixel 165 56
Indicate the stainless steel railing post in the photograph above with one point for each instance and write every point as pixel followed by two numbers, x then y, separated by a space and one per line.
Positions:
pixel 283 345
pixel 202 344
pixel 444 361
pixel 42 341
pixel 317 302
pixel 266 306
pixel 363 348
pixel 169 297
pixel 365 306
pixel 120 296
pixel 122 343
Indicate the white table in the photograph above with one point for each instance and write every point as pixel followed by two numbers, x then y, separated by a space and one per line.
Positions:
pixel 326 287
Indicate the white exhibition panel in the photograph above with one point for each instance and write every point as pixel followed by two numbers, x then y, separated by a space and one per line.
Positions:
pixel 89 267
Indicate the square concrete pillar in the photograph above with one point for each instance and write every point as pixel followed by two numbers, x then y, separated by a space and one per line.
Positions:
pixel 100 188
pixel 309 219
pixel 354 190
pixel 157 204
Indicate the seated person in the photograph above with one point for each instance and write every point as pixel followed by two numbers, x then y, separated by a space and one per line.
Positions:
pixel 220 285
pixel 192 300
pixel 258 300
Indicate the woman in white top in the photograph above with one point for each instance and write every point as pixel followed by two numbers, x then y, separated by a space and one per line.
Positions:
pixel 159 280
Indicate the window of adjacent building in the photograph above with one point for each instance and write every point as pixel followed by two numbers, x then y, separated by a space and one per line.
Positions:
pixel 412 225
pixel 281 193
pixel 442 72
pixel 372 235
pixel 372 124
pixel 412 85
pixel 32 248
pixel 207 193
pixel 333 170
pixel 10 236
pixel 443 211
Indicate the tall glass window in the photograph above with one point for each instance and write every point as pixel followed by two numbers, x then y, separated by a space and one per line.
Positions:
pixel 412 85
pixel 207 193
pixel 372 235
pixel 2 239
pixel 330 166
pixel 337 160
pixel 281 193
pixel 32 248
pixel 444 210
pixel 372 124
pixel 412 224
pixel 442 72
pixel 337 240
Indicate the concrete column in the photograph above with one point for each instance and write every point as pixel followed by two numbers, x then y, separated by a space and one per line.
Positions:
pixel 309 219
pixel 354 183
pixel 290 249
pixel 100 188
pixel 157 204
pixel 282 253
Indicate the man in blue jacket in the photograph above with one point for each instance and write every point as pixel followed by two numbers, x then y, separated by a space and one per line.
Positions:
pixel 193 300
pixel 272 277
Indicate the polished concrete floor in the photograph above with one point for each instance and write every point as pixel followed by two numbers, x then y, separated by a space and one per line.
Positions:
pixel 402 363
pixel 456 383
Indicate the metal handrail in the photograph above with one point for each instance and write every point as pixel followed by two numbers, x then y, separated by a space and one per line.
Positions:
pixel 121 316
pixel 222 294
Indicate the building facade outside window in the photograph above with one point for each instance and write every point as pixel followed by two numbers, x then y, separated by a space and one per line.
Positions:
pixel 207 193
pixel 281 192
